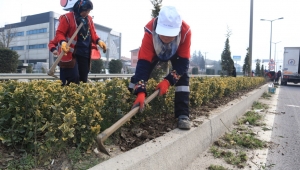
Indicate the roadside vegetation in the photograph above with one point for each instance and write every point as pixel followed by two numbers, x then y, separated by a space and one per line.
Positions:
pixel 39 128
pixel 233 146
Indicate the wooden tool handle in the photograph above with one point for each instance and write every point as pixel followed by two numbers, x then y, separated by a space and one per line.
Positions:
pixel 62 53
pixel 105 134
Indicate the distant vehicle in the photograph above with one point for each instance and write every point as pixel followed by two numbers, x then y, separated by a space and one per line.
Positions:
pixel 106 71
pixel 291 69
pixel 57 70
pixel 270 75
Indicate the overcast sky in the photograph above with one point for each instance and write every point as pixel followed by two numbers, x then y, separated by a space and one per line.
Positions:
pixel 208 19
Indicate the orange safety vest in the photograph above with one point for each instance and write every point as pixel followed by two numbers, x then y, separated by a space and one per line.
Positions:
pixel 66 28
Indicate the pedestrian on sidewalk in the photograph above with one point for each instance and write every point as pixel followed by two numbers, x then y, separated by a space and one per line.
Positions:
pixel 277 76
pixel 75 64
pixel 166 38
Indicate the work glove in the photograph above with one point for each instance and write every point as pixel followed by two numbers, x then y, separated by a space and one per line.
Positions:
pixel 163 87
pixel 140 92
pixel 64 47
pixel 55 53
pixel 140 101
pixel 102 45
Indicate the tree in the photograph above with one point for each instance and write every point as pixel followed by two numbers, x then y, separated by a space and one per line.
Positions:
pixel 195 70
pixel 202 61
pixel 1 45
pixel 157 5
pixel 29 69
pixel 8 61
pixel 246 66
pixel 97 66
pixel 198 60
pixel 6 36
pixel 262 70
pixel 257 68
pixel 226 60
pixel 115 66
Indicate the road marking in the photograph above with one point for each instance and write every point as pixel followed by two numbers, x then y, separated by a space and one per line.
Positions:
pixel 292 106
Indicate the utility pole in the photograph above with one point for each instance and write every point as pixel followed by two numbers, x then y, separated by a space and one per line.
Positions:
pixel 271 21
pixel 275 54
pixel 250 37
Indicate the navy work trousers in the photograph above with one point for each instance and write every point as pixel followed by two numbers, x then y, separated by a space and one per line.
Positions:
pixel 79 73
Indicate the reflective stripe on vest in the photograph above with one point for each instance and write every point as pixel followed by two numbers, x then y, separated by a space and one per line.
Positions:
pixel 182 89
pixel 131 85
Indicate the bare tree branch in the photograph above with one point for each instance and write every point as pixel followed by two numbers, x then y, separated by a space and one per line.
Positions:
pixel 6 36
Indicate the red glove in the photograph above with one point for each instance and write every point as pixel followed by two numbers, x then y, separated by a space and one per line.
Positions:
pixel 140 101
pixel 163 87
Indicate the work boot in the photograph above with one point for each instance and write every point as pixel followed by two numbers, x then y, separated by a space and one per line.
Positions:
pixel 184 122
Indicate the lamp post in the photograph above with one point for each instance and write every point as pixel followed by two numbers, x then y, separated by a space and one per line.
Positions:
pixel 271 32
pixel 250 37
pixel 275 54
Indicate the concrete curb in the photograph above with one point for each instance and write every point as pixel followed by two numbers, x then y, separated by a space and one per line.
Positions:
pixel 178 148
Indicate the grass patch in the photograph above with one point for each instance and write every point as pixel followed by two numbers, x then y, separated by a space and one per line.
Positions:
pixel 241 138
pixel 81 161
pixel 26 162
pixel 238 159
pixel 265 129
pixel 252 118
pixel 216 167
pixel 258 105
pixel 244 139
pixel 266 95
pixel 267 166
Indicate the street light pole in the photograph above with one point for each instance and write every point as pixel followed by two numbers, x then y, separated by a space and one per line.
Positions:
pixel 250 37
pixel 275 54
pixel 271 33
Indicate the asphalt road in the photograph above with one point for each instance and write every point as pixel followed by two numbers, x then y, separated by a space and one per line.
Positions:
pixel 284 153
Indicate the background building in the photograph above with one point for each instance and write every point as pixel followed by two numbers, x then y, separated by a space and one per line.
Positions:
pixel 134 57
pixel 33 33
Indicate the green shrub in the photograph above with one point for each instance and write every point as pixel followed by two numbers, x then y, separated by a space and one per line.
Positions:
pixel 45 118
pixel 195 70
pixel 8 61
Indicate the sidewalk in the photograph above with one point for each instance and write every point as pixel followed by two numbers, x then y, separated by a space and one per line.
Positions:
pixel 257 158
pixel 178 148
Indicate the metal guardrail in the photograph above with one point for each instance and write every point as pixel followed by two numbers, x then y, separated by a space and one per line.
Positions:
pixel 34 76
pixel 16 76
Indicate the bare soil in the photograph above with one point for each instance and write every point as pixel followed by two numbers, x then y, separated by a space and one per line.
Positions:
pixel 136 135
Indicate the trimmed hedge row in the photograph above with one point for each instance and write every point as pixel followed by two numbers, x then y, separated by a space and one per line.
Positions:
pixel 46 118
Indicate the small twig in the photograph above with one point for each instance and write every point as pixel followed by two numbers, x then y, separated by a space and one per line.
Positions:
pixel 225 125
pixel 255 164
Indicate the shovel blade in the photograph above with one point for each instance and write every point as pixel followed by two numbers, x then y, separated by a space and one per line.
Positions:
pixel 52 74
pixel 101 147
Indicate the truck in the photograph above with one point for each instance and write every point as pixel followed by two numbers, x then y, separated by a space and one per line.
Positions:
pixel 291 69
